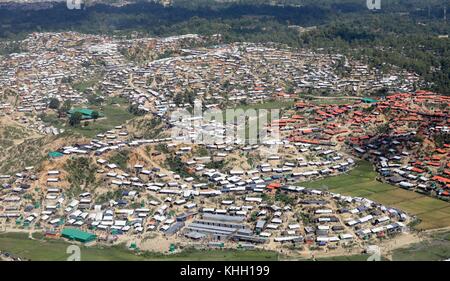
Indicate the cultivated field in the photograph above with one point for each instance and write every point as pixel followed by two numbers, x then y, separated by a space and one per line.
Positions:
pixel 361 181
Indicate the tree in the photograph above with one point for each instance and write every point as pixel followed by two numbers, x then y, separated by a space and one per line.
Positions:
pixel 94 99
pixel 178 99
pixel 75 119
pixel 66 106
pixel 54 103
pixel 95 115
pixel 135 110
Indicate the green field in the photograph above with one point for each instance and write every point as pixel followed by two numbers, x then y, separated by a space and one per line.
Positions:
pixel 115 115
pixel 274 104
pixel 361 181
pixel 20 245
pixel 329 100
pixel 115 112
pixel 362 257
pixel 333 101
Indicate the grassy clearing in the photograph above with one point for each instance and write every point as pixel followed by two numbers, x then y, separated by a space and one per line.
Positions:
pixel 361 257
pixel 115 112
pixel 333 101
pixel 330 100
pixel 436 249
pixel 115 115
pixel 82 86
pixel 361 181
pixel 44 250
pixel 275 104
pixel 216 255
pixel 55 250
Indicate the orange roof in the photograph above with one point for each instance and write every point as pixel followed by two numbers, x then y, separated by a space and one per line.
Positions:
pixel 297 139
pixel 274 185
pixel 441 179
pixel 417 170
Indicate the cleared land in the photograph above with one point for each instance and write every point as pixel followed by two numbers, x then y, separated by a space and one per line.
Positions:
pixel 361 181
pixel 437 248
pixel 115 113
pixel 20 245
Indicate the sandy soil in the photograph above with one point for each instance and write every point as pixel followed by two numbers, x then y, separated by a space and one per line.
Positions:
pixel 158 243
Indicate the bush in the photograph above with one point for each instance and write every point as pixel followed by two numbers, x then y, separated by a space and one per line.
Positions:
pixel 75 119
pixel 81 172
pixel 54 103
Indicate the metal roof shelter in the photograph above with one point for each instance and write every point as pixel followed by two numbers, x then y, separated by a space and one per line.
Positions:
pixel 55 154
pixel 78 235
pixel 86 113
pixel 219 217
pixel 368 100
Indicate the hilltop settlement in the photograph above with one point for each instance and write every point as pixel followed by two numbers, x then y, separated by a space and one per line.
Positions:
pixel 94 181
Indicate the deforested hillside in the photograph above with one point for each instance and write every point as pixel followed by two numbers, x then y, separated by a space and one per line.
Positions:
pixel 31 151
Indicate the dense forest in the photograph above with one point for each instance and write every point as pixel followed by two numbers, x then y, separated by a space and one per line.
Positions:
pixel 406 33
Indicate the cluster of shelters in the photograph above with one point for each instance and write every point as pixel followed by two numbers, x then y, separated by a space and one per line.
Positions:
pixel 260 206
pixel 226 190
pixel 412 151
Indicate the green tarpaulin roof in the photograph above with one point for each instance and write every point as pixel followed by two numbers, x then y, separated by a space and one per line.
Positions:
pixel 75 234
pixel 55 154
pixel 369 100
pixel 87 113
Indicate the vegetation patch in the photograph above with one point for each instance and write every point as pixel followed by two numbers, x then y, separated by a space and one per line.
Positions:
pixel 81 174
pixel 120 158
pixel 20 245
